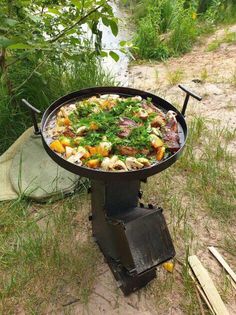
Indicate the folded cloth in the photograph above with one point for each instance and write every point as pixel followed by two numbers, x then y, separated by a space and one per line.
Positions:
pixel 7 192
pixel 26 169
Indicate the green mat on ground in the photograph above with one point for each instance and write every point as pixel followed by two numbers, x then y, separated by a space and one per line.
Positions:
pixel 27 169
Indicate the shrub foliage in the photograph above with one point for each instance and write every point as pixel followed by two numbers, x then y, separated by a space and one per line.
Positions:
pixel 170 27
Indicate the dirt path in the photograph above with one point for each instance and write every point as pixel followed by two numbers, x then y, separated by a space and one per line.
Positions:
pixel 213 76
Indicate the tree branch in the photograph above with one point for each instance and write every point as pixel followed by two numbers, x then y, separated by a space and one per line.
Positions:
pixel 27 79
pixel 76 23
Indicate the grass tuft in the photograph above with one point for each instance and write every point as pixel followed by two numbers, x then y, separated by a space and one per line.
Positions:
pixel 175 77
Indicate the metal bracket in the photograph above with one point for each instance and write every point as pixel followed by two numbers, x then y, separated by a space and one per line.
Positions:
pixel 33 111
pixel 188 94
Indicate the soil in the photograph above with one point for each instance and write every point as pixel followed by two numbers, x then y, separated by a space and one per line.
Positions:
pixel 212 75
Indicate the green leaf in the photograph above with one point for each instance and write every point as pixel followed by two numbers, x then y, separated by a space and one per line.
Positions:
pixel 77 4
pixel 103 53
pixel 123 43
pixel 5 42
pixel 105 21
pixel 20 46
pixel 114 56
pixel 10 22
pixel 53 11
pixel 33 17
pixel 114 27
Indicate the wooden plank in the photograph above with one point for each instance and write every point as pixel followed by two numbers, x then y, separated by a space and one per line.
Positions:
pixel 221 260
pixel 203 295
pixel 208 286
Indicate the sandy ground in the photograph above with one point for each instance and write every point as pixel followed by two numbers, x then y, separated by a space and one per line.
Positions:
pixel 209 74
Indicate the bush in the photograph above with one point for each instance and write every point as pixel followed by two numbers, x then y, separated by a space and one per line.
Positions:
pixel 170 18
pixel 170 27
pixel 184 32
pixel 148 42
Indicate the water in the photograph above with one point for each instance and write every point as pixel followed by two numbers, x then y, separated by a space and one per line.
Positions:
pixel 118 69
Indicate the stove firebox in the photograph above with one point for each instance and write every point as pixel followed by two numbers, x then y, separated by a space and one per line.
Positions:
pixel 133 239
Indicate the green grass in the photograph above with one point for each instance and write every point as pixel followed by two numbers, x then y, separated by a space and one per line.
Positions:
pixel 39 257
pixel 228 38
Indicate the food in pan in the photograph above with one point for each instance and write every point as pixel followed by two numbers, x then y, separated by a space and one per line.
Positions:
pixel 113 133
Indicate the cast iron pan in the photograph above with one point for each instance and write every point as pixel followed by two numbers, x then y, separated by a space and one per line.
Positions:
pixel 97 174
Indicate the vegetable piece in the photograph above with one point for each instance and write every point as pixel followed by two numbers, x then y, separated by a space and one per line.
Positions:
pixel 119 166
pixel 57 146
pixel 106 163
pixel 160 153
pixel 169 266
pixel 67 121
pixel 81 130
pixel 63 122
pixel 69 151
pixel 133 164
pixel 158 121
pixel 77 140
pixel 92 150
pixel 95 163
pixel 84 153
pixel 93 126
pixel 65 141
pixel 104 148
pixel 156 141
pixel 144 161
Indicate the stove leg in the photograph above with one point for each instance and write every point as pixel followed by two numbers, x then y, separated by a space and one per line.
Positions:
pixel 107 200
pixel 127 283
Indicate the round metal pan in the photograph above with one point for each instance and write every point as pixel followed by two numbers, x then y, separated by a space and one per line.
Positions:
pixel 104 175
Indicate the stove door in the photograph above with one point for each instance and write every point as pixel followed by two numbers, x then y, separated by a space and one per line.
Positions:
pixel 142 239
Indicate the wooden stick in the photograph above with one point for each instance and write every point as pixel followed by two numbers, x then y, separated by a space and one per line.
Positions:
pixel 208 286
pixel 222 262
pixel 203 295
pixel 200 302
pixel 231 281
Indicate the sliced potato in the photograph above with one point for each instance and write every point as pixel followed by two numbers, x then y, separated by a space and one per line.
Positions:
pixel 57 146
pixel 69 152
pixel 156 141
pixel 95 163
pixel 160 153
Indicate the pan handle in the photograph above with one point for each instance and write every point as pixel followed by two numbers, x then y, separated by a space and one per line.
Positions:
pixel 33 111
pixel 188 94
